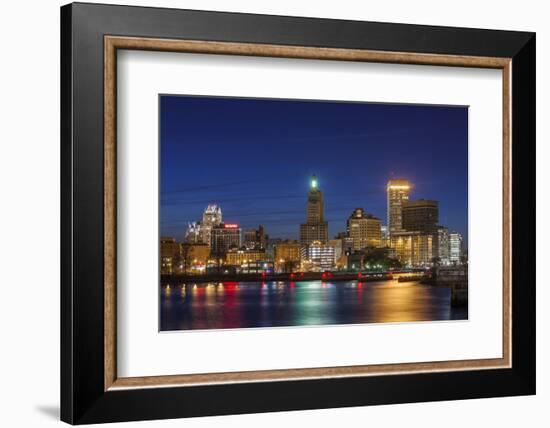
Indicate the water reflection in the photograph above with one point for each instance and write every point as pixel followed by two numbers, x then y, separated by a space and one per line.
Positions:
pixel 273 304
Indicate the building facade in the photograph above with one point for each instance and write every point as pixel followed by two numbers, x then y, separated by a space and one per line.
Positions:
pixel 241 256
pixel 169 255
pixel 193 235
pixel 315 228
pixel 317 257
pixel 413 249
pixel 420 215
pixel 442 246
pixel 397 191
pixel 287 256
pixel 258 266
pixel 211 217
pixel 384 236
pixel 194 257
pixel 223 237
pixel 364 229
pixel 455 244
pixel 254 238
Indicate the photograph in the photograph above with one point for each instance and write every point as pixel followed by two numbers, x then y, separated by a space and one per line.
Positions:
pixel 293 213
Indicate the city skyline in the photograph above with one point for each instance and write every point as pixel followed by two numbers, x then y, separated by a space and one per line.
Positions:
pixel 260 174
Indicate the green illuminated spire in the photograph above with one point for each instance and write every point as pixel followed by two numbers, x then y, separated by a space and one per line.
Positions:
pixel 313 182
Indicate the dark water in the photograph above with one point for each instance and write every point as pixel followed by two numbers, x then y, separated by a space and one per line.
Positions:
pixel 275 304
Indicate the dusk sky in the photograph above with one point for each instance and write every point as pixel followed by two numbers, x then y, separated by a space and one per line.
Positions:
pixel 254 158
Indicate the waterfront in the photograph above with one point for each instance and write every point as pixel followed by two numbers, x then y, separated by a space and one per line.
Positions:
pixel 276 304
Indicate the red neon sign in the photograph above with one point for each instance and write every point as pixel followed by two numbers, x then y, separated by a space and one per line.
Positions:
pixel 231 226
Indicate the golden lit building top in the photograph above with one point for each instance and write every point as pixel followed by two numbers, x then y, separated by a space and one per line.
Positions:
pixel 398 184
pixel 398 190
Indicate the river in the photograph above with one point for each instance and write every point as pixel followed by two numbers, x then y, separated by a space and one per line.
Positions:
pixel 276 304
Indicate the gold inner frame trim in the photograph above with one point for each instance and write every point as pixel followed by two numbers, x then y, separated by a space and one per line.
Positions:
pixel 113 43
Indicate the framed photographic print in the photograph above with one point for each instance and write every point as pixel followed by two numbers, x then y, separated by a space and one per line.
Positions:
pixel 265 213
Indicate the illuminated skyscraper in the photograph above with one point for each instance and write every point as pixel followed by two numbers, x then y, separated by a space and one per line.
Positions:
pixel 315 228
pixel 211 217
pixel 398 191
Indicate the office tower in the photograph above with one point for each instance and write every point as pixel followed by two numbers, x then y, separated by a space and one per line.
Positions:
pixel 315 228
pixel 420 215
pixel 397 192
pixel 455 244
pixel 223 237
pixel 364 229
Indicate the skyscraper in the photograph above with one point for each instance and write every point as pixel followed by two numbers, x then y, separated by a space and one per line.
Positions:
pixel 211 217
pixel 398 191
pixel 364 229
pixel 315 228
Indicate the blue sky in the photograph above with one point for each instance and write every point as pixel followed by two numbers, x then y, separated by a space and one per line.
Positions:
pixel 254 157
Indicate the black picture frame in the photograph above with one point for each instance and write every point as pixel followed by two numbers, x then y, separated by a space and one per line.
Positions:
pixel 83 398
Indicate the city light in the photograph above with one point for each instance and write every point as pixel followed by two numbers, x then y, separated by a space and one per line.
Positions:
pixel 412 237
pixel 313 183
pixel 365 242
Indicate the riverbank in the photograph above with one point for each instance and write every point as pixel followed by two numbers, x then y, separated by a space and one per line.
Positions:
pixel 263 277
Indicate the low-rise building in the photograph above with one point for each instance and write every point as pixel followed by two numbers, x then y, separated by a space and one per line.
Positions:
pixel 194 257
pixel 317 257
pixel 240 256
pixel 254 239
pixel 286 255
pixel 169 254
